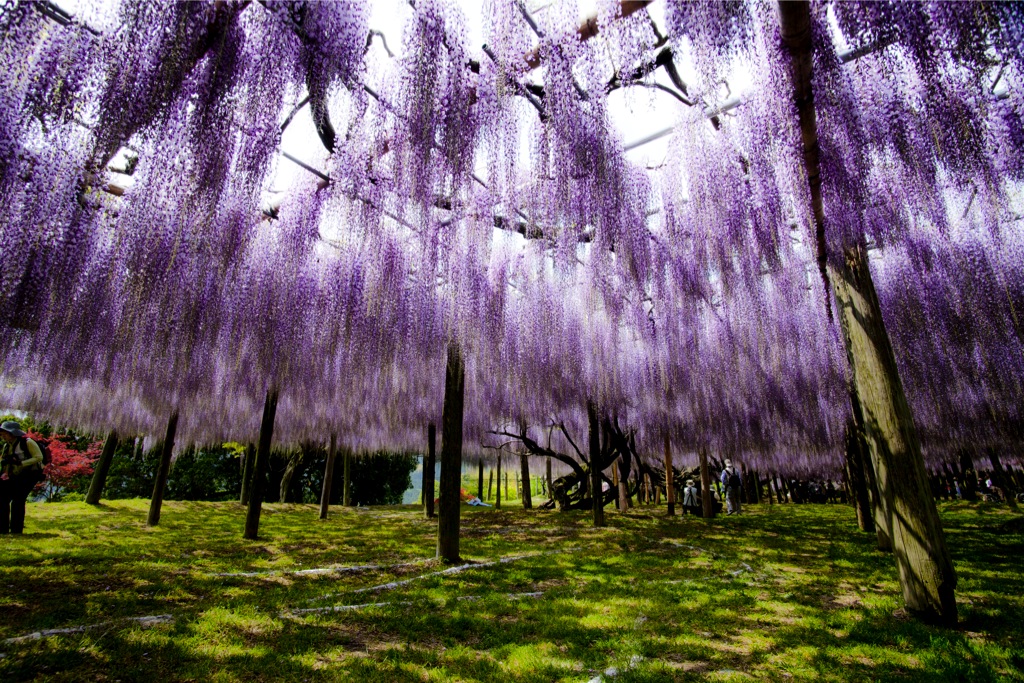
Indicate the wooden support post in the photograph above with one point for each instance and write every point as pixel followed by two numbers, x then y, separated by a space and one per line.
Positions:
pixel 524 468
pixel 670 486
pixel 497 504
pixel 596 493
pixel 162 472
pixel 449 500
pixel 259 476
pixel 346 477
pixel 623 484
pixel 480 479
pixel 707 499
pixel 99 477
pixel 429 466
pixel 325 494
pixel 248 467
pixel 490 483
pixel 548 475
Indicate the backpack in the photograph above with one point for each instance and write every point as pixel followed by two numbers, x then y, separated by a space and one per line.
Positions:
pixel 734 480
pixel 44 448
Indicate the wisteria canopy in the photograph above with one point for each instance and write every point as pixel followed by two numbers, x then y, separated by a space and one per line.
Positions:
pixel 480 194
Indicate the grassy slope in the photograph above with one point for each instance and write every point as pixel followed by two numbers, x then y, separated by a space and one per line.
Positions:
pixel 819 604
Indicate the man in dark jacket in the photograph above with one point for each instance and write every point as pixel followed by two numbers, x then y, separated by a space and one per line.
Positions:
pixel 21 468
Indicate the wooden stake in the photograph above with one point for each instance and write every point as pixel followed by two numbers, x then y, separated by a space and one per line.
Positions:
pixel 99 477
pixel 449 501
pixel 325 495
pixel 524 467
pixel 706 497
pixel 252 517
pixel 247 470
pixel 429 465
pixel 595 458
pixel 670 489
pixel 163 470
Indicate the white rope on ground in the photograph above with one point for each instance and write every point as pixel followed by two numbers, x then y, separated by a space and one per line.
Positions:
pixel 452 570
pixel 341 608
pixel 144 622
pixel 317 571
pixel 349 608
pixel 391 585
pixel 510 596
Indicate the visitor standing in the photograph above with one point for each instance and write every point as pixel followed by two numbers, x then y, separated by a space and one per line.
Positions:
pixel 691 499
pixel 731 483
pixel 21 468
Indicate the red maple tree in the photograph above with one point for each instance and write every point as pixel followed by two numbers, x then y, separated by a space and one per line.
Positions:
pixel 67 462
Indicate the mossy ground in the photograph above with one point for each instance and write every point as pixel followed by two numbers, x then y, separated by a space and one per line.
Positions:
pixel 783 593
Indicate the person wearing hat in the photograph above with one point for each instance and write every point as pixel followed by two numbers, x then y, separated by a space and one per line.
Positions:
pixel 691 499
pixel 731 483
pixel 21 468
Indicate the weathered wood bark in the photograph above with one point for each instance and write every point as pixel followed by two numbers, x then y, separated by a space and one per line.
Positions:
pixel 163 470
pixel 480 479
pixel 707 500
pixel 259 475
pixel 524 477
pixel 918 542
pixel 855 475
pixel 449 501
pixel 429 465
pixel 490 484
pixel 99 477
pixel 325 493
pixel 247 470
pixel 595 459
pixel 497 503
pixel 925 567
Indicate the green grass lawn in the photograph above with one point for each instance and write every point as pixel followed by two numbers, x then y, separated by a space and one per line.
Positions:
pixel 784 593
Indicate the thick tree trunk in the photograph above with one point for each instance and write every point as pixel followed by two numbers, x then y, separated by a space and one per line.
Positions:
pixel 480 479
pixel 524 476
pixel 99 477
pixel 163 470
pixel 429 465
pixel 926 569
pixel 248 468
pixel 595 459
pixel 855 475
pixel 449 501
pixel 325 493
pixel 707 500
pixel 259 476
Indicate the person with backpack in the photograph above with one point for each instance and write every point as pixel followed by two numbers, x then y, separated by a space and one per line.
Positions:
pixel 731 483
pixel 21 468
pixel 691 499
